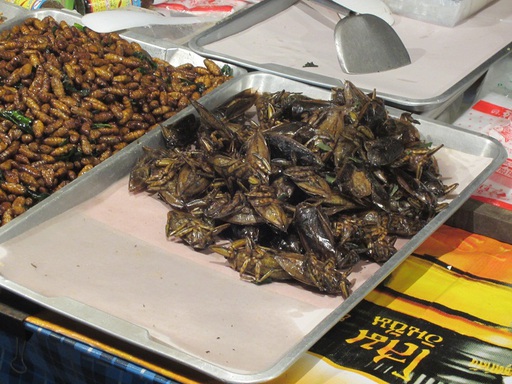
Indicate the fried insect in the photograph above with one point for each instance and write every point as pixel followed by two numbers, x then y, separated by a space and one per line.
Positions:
pixel 254 262
pixel 197 232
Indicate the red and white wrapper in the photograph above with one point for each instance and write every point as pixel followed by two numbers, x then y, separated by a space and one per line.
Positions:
pixel 492 116
pixel 202 6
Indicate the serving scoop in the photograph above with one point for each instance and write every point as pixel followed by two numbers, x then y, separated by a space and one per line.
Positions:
pixel 119 19
pixel 364 38
pixel 365 43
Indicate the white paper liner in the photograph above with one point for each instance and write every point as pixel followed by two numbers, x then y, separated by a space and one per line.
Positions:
pixel 111 254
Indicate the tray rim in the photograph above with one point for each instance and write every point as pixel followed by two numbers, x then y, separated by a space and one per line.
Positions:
pixel 266 8
pixel 11 7
pixel 104 322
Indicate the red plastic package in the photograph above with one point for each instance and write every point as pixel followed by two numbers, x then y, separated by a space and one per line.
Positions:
pixel 202 6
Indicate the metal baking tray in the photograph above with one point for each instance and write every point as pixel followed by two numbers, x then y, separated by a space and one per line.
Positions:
pixel 97 254
pixel 283 36
pixel 10 11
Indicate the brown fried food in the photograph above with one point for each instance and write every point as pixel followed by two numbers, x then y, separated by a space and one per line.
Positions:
pixel 70 98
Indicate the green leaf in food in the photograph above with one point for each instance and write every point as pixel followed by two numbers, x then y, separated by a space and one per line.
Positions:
pixel 101 125
pixel 323 146
pixel 227 70
pixel 70 87
pixel 200 87
pixel 144 56
pixel 19 119
pixel 37 196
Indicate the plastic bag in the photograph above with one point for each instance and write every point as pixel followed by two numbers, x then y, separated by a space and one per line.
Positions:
pixel 491 115
pixel 448 13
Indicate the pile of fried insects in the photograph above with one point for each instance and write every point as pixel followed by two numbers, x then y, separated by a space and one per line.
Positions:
pixel 298 188
pixel 70 98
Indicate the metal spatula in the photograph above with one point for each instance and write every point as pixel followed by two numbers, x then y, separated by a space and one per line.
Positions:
pixel 366 44
pixel 365 41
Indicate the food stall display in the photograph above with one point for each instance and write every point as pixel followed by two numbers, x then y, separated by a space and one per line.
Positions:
pixel 223 222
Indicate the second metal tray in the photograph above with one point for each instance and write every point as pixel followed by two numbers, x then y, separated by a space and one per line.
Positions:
pixel 10 11
pixel 283 37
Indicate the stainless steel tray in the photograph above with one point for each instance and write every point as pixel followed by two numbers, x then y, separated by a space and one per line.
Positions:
pixel 97 254
pixel 10 11
pixel 282 36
